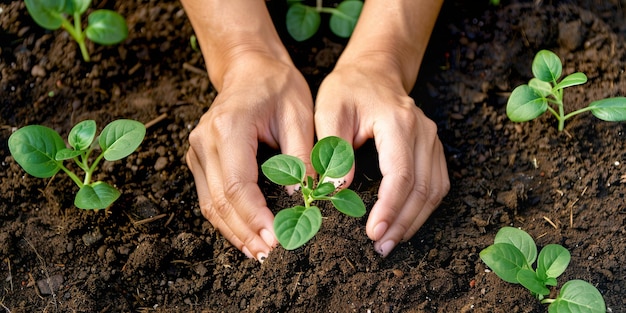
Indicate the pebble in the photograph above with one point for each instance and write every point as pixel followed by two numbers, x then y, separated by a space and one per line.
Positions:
pixel 160 163
pixel 50 285
pixel 38 71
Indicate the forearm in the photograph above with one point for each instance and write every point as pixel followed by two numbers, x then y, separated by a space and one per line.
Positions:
pixel 394 34
pixel 229 30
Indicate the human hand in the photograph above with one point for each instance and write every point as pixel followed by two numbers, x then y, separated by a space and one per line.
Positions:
pixel 261 99
pixel 361 99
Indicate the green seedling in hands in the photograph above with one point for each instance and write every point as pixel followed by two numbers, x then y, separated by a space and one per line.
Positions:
pixel 303 21
pixel 511 258
pixel 331 157
pixel 104 27
pixel 40 151
pixel 545 91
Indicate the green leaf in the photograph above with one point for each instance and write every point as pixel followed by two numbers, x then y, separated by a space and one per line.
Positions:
pixel 66 154
pixel 78 6
pixel 295 226
pixel 610 109
pixel 34 148
pixel 344 18
pixel 302 21
pixel 547 66
pixel 106 27
pixel 82 134
pixel 578 296
pixel 520 239
pixel 574 79
pixel 525 104
pixel 552 261
pixel 529 279
pixel 120 138
pixel 349 203
pixel 542 88
pixel 332 157
pixel 323 189
pixel 505 260
pixel 46 13
pixel 98 195
pixel 284 170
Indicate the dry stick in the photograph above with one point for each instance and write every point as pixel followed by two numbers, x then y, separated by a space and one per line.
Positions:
pixel 45 270
pixel 4 307
pixel 149 219
pixel 550 221
pixel 156 120
pixel 10 273
pixel 194 69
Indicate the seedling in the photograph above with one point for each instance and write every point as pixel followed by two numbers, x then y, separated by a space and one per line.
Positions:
pixel 303 21
pixel 40 151
pixel 104 27
pixel 511 258
pixel 331 157
pixel 545 91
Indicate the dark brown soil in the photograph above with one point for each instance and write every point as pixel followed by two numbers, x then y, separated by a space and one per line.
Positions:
pixel 153 251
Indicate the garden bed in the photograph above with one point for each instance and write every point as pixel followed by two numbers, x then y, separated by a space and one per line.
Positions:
pixel 153 251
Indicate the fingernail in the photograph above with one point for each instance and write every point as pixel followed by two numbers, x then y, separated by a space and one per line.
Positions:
pixel 247 252
pixel 384 248
pixel 261 257
pixel 268 237
pixel 380 230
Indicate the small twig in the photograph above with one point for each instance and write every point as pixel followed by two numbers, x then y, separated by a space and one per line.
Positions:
pixel 194 69
pixel 45 271
pixel 169 220
pixel 156 120
pixel 571 211
pixel 149 219
pixel 4 307
pixel 10 273
pixel 550 221
pixel 295 285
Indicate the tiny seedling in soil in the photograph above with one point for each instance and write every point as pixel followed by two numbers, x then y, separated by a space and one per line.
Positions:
pixel 511 258
pixel 331 157
pixel 544 92
pixel 303 21
pixel 41 151
pixel 104 27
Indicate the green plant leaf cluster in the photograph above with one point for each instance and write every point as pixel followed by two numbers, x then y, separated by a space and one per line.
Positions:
pixel 41 151
pixel 544 92
pixel 104 27
pixel 303 21
pixel 511 257
pixel 331 157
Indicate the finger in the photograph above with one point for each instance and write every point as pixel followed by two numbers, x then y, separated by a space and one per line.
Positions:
pixel 335 119
pixel 204 198
pixel 441 186
pixel 241 202
pixel 297 138
pixel 397 166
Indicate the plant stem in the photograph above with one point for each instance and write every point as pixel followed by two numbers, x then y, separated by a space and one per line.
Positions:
pixel 77 33
pixel 92 168
pixel 72 176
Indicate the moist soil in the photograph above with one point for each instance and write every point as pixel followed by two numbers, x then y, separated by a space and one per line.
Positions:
pixel 152 251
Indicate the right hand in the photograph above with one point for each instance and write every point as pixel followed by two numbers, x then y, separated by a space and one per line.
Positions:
pixel 260 99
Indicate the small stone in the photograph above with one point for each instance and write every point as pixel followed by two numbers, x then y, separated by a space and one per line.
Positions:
pixel 160 163
pixel 50 285
pixel 38 71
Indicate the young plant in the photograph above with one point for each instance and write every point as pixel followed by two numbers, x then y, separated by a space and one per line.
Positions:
pixel 331 157
pixel 40 151
pixel 303 21
pixel 511 258
pixel 545 91
pixel 104 27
